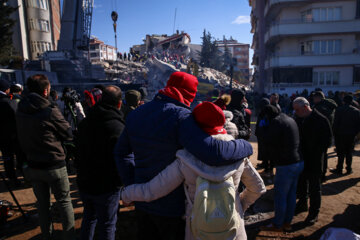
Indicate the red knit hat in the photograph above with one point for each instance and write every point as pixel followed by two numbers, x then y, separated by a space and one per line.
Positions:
pixel 182 87
pixel 210 118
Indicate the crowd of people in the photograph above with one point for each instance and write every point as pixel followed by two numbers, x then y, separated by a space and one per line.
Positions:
pixel 187 170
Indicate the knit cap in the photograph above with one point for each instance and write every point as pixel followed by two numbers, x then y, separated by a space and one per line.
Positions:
pixel 210 118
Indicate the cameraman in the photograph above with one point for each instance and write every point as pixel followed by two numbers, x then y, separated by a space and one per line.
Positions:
pixel 71 107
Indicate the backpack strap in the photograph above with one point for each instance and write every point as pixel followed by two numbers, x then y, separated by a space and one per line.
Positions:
pixel 187 196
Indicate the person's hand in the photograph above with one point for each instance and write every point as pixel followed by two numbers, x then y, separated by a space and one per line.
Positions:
pixel 128 204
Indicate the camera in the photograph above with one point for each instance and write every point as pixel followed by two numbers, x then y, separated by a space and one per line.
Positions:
pixel 71 97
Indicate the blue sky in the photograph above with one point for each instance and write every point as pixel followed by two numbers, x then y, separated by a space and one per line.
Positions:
pixel 140 17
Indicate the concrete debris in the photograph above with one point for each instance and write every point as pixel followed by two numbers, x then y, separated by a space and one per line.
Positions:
pixel 154 73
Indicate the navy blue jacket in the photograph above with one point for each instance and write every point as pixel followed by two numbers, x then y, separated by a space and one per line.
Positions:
pixel 154 132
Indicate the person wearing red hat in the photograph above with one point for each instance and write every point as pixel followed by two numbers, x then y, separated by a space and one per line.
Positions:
pixel 187 168
pixel 152 135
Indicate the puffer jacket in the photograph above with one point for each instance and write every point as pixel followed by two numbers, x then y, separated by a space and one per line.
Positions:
pixel 41 131
pixel 186 169
pixel 229 126
pixel 153 133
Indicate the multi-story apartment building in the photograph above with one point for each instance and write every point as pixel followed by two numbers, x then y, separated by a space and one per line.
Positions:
pixel 240 51
pixel 99 51
pixel 37 27
pixel 306 45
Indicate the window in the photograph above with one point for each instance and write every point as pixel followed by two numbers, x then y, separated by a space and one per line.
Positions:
pixel 42 4
pixel 326 78
pixel 32 24
pixel 94 54
pixel 327 14
pixel 321 14
pixel 306 16
pixel 40 47
pixel 43 25
pixel 321 47
pixel 306 47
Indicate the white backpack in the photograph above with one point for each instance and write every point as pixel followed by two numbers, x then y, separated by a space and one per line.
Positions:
pixel 214 216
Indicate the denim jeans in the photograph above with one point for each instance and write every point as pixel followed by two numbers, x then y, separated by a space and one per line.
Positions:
pixel 56 181
pixel 285 185
pixel 100 210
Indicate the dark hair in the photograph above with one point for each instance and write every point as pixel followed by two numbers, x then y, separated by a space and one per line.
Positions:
pixel 15 88
pixel 319 94
pixel 37 83
pixel 275 94
pixel 53 94
pixel 111 95
pixel 348 99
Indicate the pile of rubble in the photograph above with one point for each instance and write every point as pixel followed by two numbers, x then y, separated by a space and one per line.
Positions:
pixel 154 73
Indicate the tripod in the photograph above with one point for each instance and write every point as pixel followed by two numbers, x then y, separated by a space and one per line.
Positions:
pixel 13 196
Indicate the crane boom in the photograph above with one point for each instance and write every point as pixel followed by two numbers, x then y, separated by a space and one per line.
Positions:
pixel 76 25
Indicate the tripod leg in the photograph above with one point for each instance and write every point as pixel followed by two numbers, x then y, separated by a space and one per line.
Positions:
pixel 13 196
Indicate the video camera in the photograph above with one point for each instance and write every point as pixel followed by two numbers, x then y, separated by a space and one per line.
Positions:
pixel 71 97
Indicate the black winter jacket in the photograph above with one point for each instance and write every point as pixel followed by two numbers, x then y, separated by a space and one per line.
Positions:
pixel 281 137
pixel 347 120
pixel 41 130
pixel 327 108
pixel 315 138
pixel 239 120
pixel 97 135
pixel 7 120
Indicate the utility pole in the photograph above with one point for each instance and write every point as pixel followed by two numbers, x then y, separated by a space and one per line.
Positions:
pixel 233 63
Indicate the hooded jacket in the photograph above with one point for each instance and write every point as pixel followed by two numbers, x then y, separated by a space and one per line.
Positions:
pixel 97 135
pixel 186 169
pixel 239 114
pixel 154 132
pixel 229 126
pixel 41 130
pixel 327 108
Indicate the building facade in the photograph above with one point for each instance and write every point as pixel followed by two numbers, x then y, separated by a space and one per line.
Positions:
pixel 306 45
pixel 99 51
pixel 240 51
pixel 37 27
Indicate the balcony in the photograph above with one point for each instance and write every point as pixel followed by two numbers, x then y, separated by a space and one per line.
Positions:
pixel 293 27
pixel 278 3
pixel 313 60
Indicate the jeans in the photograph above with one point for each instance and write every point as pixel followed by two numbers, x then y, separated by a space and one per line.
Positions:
pixel 7 151
pixel 56 181
pixel 310 184
pixel 285 186
pixel 159 227
pixel 100 210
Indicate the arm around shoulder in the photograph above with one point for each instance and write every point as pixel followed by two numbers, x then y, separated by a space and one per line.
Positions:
pixel 255 186
pixel 161 185
pixel 211 151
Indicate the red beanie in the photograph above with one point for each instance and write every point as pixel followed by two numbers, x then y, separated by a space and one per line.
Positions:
pixel 182 87
pixel 210 118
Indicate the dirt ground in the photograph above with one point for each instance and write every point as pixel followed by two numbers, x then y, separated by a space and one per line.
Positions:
pixel 340 208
